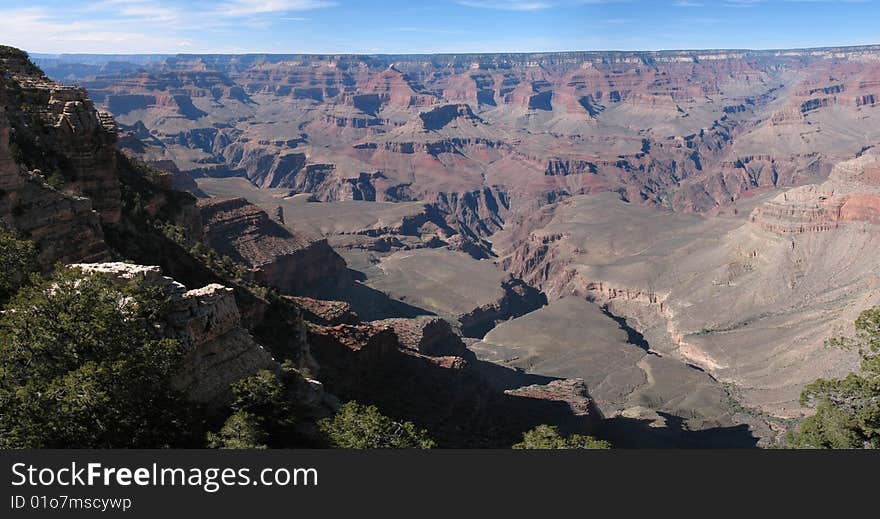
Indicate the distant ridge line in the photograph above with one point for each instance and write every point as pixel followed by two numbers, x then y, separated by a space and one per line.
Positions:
pixel 782 52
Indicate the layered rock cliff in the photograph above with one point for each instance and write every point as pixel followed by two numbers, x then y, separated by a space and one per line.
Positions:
pixel 447 394
pixel 62 224
pixel 293 264
pixel 57 131
pixel 427 335
pixel 850 195
pixel 749 298
pixel 694 130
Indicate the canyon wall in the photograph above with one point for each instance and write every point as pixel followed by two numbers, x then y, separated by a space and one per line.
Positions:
pixel 750 299
pixel 473 134
pixel 295 265
pixel 62 223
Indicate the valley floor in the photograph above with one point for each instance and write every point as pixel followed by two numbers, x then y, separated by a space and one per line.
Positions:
pixel 620 341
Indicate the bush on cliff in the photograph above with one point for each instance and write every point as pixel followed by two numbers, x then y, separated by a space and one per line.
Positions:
pixel 242 430
pixel 18 259
pixel 79 368
pixel 262 415
pixel 357 426
pixel 847 409
pixel 545 437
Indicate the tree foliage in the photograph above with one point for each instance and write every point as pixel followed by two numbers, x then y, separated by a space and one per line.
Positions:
pixel 242 430
pixel 357 426
pixel 79 368
pixel 847 409
pixel 262 415
pixel 18 259
pixel 545 437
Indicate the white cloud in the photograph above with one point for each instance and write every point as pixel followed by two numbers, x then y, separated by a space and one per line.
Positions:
pixel 530 5
pixel 42 30
pixel 507 5
pixel 255 7
pixel 137 26
pixel 743 3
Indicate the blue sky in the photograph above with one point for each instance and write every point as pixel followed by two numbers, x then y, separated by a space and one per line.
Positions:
pixel 409 26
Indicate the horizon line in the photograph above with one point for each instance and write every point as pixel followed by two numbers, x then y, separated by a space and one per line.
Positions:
pixel 871 46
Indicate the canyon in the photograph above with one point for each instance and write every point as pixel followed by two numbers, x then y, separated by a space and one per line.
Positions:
pixel 232 285
pixel 670 236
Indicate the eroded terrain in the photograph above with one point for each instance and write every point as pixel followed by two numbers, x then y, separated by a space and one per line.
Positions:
pixel 681 230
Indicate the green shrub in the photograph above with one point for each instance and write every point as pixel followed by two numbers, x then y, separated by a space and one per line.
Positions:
pixel 16 154
pixel 18 259
pixel 547 437
pixel 241 431
pixel 848 409
pixel 56 180
pixel 364 427
pixel 262 415
pixel 79 368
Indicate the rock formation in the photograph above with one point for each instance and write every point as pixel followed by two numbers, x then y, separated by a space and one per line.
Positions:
pixel 79 142
pixel 427 335
pixel 100 205
pixel 326 313
pixel 570 393
pixel 518 299
pixel 749 298
pixel 206 322
pixel 850 195
pixel 63 225
pixel 367 362
pixel 575 173
pixel 245 233
pixel 675 128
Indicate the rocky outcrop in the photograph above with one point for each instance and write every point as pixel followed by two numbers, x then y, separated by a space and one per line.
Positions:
pixel 180 181
pixel 557 167
pixel 446 394
pixel 518 299
pixel 851 194
pixel 475 214
pixel 424 373
pixel 293 264
pixel 569 393
pixel 442 116
pixel 427 335
pixel 64 227
pixel 207 323
pixel 463 123
pixel 58 131
pixel 326 313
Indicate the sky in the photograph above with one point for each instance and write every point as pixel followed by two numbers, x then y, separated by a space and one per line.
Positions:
pixel 430 26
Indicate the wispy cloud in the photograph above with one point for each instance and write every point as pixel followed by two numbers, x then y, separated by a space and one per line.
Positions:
pixel 507 5
pixel 531 5
pixel 426 30
pixel 169 26
pixel 40 28
pixel 743 3
pixel 256 7
pixel 134 26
